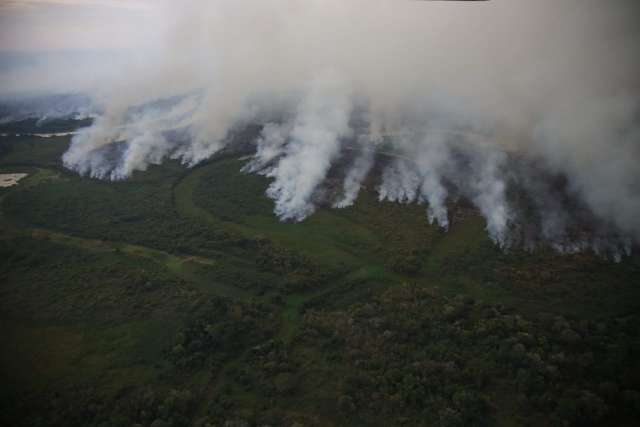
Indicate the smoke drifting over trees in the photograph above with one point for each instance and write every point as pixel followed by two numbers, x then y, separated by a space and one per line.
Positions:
pixel 474 99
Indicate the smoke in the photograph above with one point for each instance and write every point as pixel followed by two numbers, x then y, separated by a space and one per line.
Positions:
pixel 453 94
pixel 488 192
pixel 269 147
pixel 419 175
pixel 597 145
pixel 429 169
pixel 320 123
pixel 356 174
pixel 138 135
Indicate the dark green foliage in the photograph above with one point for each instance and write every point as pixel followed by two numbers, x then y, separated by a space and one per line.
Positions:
pixel 218 329
pixel 58 283
pixel 138 211
pixel 33 150
pixel 176 298
pixel 414 353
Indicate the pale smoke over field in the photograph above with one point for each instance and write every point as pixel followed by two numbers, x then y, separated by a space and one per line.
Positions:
pixel 464 87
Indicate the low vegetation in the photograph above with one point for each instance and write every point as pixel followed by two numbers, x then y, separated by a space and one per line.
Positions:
pixel 176 298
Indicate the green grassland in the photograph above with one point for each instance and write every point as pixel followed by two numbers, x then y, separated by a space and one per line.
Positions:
pixel 176 298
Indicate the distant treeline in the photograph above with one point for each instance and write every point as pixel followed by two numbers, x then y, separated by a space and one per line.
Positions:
pixel 35 125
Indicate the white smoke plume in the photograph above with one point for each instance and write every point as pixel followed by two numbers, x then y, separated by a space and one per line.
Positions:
pixel 269 147
pixel 400 182
pixel 355 176
pixel 321 122
pixel 456 91
pixel 423 168
pixel 418 176
pixel 488 193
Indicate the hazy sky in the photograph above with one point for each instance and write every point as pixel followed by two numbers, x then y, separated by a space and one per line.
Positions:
pixel 558 79
pixel 76 24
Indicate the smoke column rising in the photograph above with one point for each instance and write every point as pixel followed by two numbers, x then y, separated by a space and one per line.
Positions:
pixel 463 85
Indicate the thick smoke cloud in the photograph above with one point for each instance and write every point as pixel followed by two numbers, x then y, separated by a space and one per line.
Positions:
pixel 356 174
pixel 321 122
pixel 455 94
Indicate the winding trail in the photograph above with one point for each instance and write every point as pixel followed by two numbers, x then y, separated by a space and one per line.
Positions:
pixel 293 303
pixel 178 265
pixel 182 266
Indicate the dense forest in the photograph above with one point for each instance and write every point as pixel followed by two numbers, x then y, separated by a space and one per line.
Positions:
pixel 176 298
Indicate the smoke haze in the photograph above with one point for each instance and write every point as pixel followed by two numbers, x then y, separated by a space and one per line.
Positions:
pixel 455 94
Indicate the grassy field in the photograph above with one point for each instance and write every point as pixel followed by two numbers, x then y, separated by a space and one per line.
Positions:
pixel 180 284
